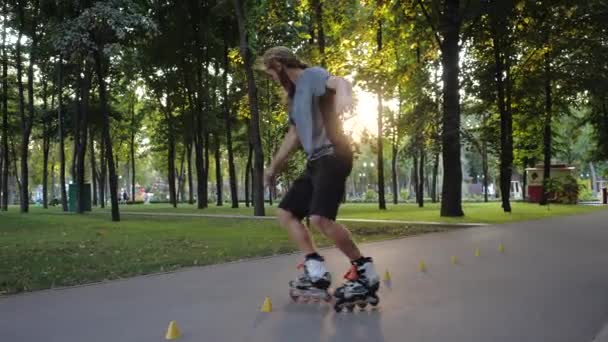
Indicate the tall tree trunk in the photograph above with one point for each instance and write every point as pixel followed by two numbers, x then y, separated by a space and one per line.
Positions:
pixel 218 172
pixel 102 174
pixel 198 146
pixel 85 85
pixel 484 161
pixel 415 178
pixel 99 60
pixel 435 172
pixel 506 150
pixel 421 177
pixel 133 131
pixel 206 179
pixel 93 166
pixel 180 179
pixel 394 174
pixel 201 100
pixel 258 181
pixel 24 193
pixel 46 145
pixel 525 180
pixel 4 143
pixel 451 199
pixel 228 122
pixel 318 8
pixel 381 197
pixel 60 128
pixel 189 161
pixel 547 131
pixel 171 156
pixel 247 173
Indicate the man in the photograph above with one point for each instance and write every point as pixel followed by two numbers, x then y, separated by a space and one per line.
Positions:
pixel 314 99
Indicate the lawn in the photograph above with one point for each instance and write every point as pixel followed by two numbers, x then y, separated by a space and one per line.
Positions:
pixel 47 249
pixel 474 212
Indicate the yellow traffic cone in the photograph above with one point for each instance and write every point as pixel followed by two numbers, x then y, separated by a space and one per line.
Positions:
pixel 477 253
pixel 422 266
pixel 387 276
pixel 501 248
pixel 454 260
pixel 172 331
pixel 267 306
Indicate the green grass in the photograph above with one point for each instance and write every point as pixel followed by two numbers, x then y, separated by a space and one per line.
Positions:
pixel 474 212
pixel 43 250
pixel 46 248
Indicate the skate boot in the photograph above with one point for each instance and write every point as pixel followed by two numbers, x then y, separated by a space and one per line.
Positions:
pixel 313 282
pixel 362 283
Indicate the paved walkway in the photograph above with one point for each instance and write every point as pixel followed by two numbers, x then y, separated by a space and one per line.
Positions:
pixel 550 285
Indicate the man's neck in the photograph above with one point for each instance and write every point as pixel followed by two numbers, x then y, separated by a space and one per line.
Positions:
pixel 294 73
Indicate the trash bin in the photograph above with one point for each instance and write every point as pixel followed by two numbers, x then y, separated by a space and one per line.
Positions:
pixel 605 195
pixel 72 197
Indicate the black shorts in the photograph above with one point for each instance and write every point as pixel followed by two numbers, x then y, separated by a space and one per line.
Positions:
pixel 320 189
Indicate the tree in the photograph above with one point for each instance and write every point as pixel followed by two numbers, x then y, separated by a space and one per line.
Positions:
pixel 447 24
pixel 258 164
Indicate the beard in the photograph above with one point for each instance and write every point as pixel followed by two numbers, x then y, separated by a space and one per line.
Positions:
pixel 286 82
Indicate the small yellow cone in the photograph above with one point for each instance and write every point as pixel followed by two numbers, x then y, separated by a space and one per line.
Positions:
pixel 172 331
pixel 501 248
pixel 477 253
pixel 422 266
pixel 387 276
pixel 267 306
pixel 454 260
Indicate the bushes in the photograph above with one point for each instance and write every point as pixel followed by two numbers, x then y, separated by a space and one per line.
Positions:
pixel 565 190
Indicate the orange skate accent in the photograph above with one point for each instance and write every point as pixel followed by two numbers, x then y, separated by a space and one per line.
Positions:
pixel 352 274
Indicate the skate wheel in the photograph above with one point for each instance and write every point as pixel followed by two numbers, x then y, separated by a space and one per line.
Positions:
pixel 294 296
pixel 362 305
pixel 373 300
pixel 350 307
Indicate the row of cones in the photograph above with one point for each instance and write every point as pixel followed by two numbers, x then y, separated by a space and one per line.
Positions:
pixel 454 259
pixel 174 333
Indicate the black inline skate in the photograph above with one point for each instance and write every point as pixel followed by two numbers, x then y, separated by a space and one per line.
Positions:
pixel 362 283
pixel 313 283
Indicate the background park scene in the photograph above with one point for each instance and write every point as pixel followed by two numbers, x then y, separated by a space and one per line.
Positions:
pixel 134 137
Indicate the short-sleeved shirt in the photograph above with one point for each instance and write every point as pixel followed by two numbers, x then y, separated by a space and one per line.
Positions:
pixel 305 113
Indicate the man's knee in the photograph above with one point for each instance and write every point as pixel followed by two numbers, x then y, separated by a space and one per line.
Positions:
pixel 322 223
pixel 285 217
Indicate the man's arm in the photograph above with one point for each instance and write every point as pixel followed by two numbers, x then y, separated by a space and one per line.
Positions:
pixel 344 93
pixel 290 144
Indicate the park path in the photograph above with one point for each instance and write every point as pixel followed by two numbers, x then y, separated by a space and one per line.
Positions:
pixel 550 284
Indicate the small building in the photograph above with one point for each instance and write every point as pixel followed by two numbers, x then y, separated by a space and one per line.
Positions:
pixel 534 179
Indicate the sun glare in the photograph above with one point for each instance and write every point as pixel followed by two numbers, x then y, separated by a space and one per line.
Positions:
pixel 365 114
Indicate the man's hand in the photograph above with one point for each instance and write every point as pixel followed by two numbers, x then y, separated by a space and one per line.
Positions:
pixel 269 177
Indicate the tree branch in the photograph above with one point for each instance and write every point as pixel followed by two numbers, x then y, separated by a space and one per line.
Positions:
pixel 430 21
pixel 515 74
pixel 471 27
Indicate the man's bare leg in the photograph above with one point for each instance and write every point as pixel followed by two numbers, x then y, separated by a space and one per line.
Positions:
pixel 297 231
pixel 339 234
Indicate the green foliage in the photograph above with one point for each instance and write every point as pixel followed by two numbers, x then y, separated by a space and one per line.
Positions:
pixel 564 190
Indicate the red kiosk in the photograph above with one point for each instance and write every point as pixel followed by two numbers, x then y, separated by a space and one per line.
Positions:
pixel 534 179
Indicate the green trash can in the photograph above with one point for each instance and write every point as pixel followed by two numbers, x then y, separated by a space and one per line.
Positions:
pixel 72 197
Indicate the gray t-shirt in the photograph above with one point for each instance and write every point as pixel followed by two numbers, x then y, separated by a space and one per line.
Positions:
pixel 305 113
